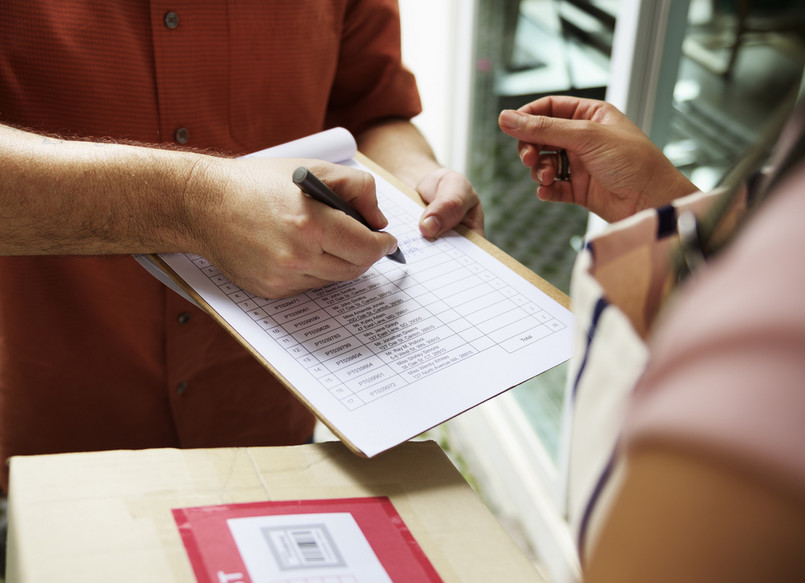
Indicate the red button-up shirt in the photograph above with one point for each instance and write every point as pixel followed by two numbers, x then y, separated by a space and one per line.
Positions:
pixel 94 352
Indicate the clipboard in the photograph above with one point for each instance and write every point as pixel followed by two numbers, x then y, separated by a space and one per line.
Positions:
pixel 403 348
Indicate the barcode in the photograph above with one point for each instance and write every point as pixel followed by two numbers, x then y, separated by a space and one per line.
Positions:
pixel 303 547
pixel 308 546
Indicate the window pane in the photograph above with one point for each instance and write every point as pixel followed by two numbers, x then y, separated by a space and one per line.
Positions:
pixel 524 50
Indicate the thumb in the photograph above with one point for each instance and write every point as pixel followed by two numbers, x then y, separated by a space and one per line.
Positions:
pixel 537 129
pixel 451 200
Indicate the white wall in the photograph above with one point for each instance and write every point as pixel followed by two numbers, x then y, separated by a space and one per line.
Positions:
pixel 437 46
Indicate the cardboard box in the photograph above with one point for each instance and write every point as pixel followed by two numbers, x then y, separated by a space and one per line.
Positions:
pixel 106 516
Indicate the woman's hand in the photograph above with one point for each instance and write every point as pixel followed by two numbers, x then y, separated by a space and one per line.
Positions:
pixel 615 169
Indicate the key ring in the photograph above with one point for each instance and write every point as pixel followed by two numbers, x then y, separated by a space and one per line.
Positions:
pixel 563 164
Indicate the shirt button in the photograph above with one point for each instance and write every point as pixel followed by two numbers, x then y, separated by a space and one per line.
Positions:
pixel 184 318
pixel 171 20
pixel 181 388
pixel 182 135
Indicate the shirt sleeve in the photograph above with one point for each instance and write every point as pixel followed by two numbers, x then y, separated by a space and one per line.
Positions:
pixel 371 82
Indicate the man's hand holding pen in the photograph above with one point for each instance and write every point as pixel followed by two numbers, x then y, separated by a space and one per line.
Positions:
pixel 274 241
pixel 311 185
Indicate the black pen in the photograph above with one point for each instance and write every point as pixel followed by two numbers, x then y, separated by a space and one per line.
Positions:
pixel 310 184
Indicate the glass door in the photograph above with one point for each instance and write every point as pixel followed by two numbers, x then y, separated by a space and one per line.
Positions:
pixel 700 77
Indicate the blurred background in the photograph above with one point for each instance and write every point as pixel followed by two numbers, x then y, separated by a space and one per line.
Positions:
pixel 699 76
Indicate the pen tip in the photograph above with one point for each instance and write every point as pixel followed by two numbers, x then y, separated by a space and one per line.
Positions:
pixel 397 256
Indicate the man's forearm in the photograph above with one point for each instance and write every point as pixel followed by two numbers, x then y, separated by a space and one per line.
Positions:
pixel 72 197
pixel 245 215
pixel 399 147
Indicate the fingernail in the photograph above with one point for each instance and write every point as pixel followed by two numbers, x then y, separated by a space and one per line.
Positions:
pixel 431 226
pixel 511 119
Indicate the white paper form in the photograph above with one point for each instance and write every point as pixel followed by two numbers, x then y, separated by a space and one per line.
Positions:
pixel 404 347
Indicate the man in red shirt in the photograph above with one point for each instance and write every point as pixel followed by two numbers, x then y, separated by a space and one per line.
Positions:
pixel 94 352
